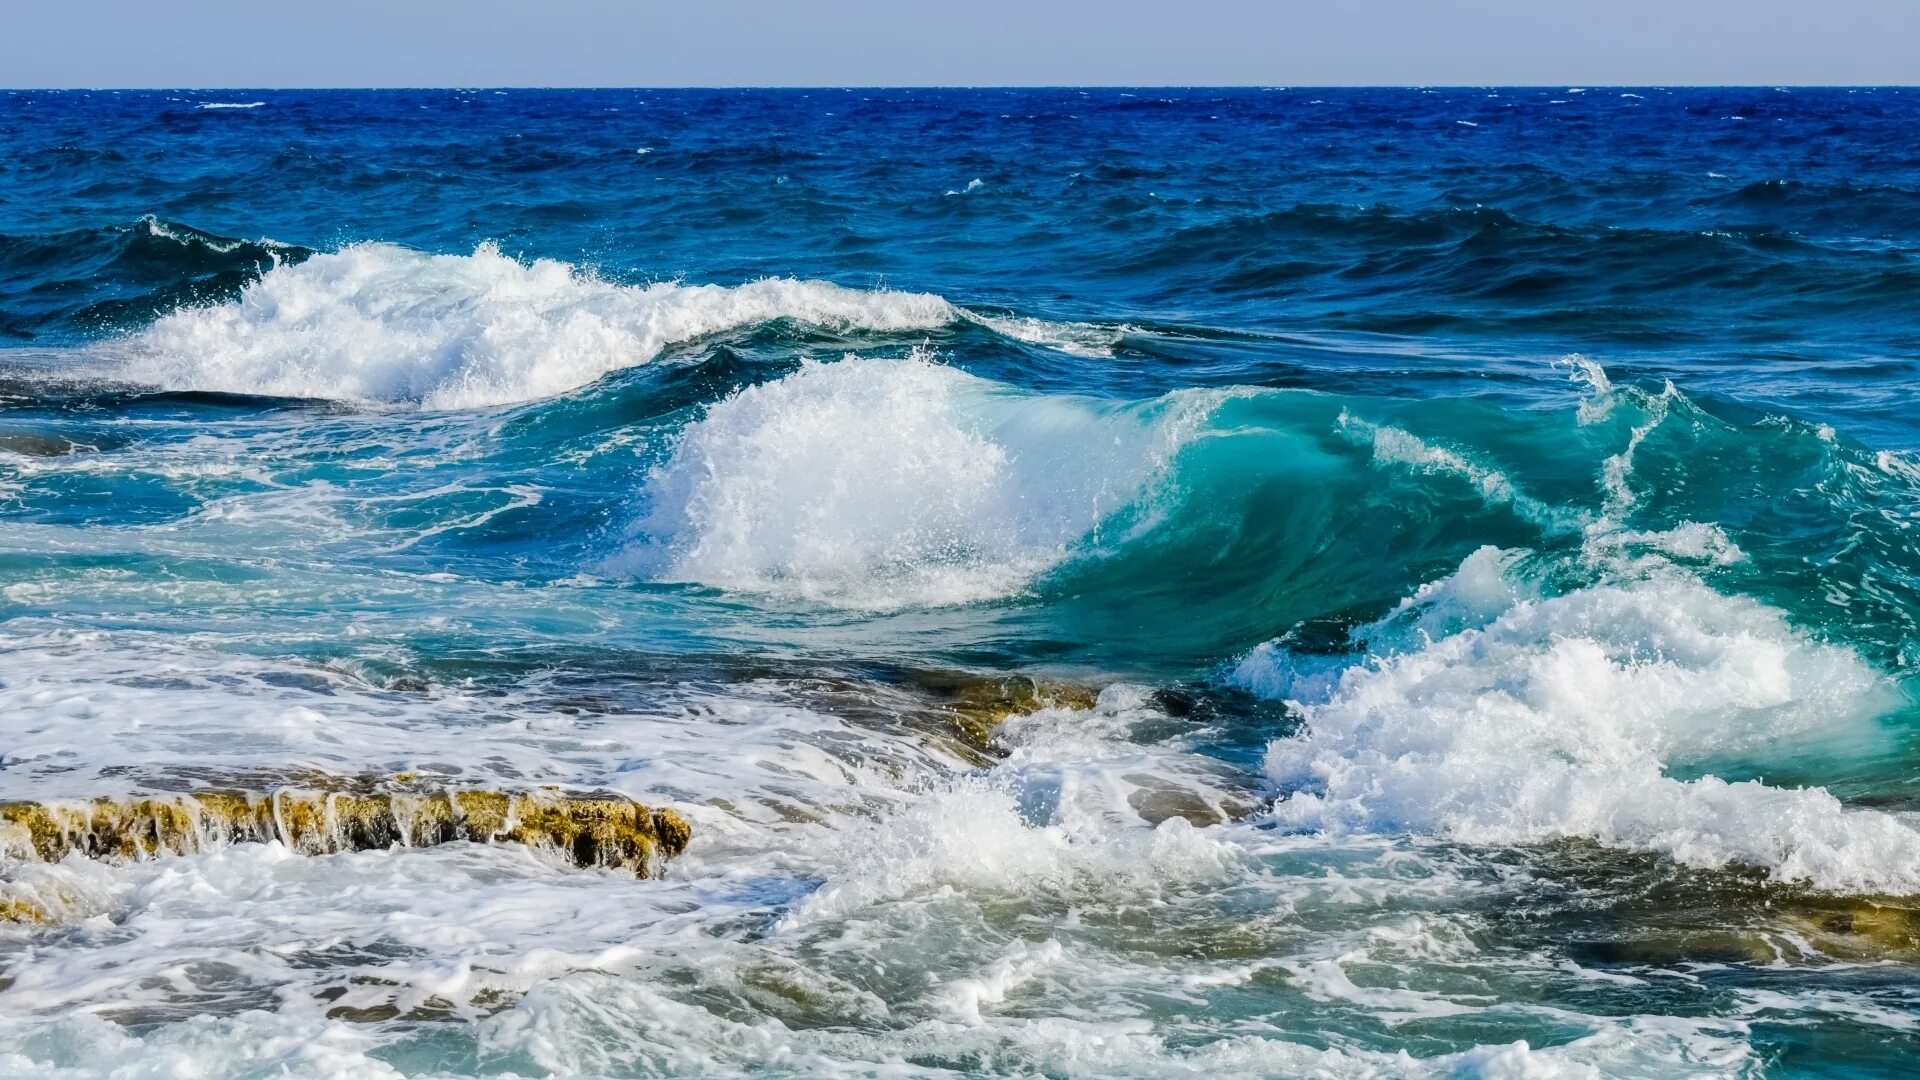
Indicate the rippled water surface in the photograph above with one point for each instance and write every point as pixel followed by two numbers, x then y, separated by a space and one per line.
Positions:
pixel 1285 582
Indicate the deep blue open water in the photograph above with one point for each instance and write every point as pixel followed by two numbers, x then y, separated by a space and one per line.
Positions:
pixel 1454 551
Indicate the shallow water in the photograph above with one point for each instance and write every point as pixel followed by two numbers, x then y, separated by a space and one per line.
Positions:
pixel 1448 554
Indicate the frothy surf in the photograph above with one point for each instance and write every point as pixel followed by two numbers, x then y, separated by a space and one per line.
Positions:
pixel 378 323
pixel 894 483
pixel 1483 711
pixel 935 611
pixel 810 892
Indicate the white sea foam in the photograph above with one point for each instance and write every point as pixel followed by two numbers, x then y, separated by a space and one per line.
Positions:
pixel 848 901
pixel 596 1026
pixel 891 483
pixel 375 322
pixel 1091 340
pixel 385 324
pixel 1060 816
pixel 230 104
pixel 1490 714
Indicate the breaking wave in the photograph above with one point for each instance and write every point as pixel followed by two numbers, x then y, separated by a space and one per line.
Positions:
pixel 881 484
pixel 383 324
pixel 380 323
pixel 1484 711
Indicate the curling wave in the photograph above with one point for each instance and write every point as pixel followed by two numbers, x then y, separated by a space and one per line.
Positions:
pixel 881 484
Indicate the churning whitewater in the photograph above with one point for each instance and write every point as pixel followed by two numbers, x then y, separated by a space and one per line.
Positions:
pixel 378 323
pixel 1269 583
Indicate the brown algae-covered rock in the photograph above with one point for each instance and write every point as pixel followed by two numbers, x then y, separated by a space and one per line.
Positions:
pixel 1861 929
pixel 17 910
pixel 978 704
pixel 587 829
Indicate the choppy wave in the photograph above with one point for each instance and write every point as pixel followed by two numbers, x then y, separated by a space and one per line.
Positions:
pixel 1592 690
pixel 1580 741
pixel 1464 266
pixel 1092 340
pixel 124 276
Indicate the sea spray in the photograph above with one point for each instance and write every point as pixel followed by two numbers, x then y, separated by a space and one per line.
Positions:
pixel 1487 719
pixel 1204 706
pixel 880 484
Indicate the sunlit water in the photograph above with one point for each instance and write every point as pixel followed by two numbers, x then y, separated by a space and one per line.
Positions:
pixel 1463 542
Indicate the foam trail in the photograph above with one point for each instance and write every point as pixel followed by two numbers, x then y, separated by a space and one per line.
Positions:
pixel 1492 715
pixel 1394 446
pixel 380 323
pixel 1085 339
pixel 882 484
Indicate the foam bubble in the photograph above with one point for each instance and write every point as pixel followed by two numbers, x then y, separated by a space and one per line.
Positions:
pixel 257 1042
pixel 881 484
pixel 380 323
pixel 1562 716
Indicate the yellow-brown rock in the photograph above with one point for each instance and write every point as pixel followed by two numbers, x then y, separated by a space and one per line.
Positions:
pixel 978 704
pixel 588 830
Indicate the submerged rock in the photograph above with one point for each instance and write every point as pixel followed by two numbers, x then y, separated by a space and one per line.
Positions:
pixel 21 910
pixel 1861 929
pixel 587 829
pixel 1792 930
pixel 977 704
pixel 1608 907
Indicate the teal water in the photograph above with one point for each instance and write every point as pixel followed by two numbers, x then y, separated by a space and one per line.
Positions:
pixel 1463 541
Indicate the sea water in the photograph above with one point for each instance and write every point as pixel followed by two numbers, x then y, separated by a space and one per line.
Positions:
pixel 1453 554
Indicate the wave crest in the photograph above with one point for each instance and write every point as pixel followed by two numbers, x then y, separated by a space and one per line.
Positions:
pixel 881 484
pixel 381 323
pixel 1488 714
pixel 124 274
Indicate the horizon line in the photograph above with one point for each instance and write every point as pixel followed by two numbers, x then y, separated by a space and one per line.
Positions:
pixel 1568 86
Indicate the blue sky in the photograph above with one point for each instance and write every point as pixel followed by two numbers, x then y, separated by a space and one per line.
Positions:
pixel 126 43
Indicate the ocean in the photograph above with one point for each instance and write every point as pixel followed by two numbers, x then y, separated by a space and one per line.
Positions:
pixel 1236 583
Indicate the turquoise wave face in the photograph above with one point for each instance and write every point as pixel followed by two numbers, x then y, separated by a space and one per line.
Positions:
pixel 1415 607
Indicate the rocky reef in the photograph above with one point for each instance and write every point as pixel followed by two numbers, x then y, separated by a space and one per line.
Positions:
pixel 594 829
